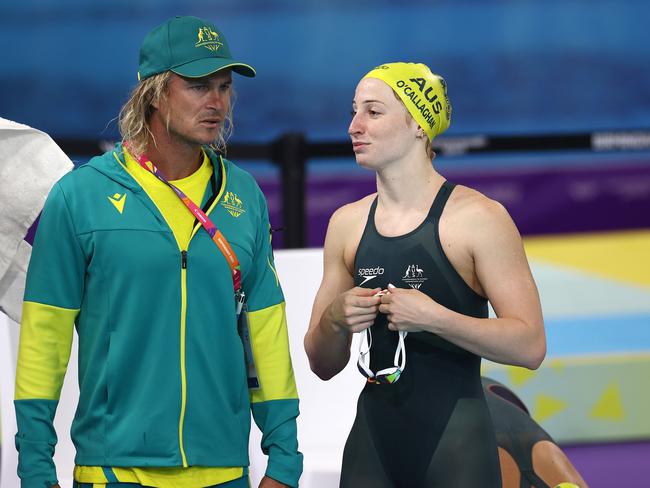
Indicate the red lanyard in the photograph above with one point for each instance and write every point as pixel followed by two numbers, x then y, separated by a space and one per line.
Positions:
pixel 207 224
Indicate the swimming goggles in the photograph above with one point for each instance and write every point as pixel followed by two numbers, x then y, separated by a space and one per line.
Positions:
pixel 385 376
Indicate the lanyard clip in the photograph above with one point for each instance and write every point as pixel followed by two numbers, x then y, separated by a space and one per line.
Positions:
pixel 240 299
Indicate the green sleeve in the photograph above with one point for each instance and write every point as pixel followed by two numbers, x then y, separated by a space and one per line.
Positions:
pixel 275 404
pixel 52 299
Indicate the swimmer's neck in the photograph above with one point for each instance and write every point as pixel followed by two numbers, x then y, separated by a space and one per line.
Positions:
pixel 408 187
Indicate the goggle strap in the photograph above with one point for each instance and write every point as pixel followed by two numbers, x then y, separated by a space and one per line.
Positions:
pixel 399 361
pixel 400 351
pixel 364 355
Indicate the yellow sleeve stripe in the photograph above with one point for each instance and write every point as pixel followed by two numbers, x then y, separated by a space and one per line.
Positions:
pixel 270 340
pixel 44 350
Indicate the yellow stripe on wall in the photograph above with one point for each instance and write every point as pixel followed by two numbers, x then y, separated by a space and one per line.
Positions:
pixel 44 351
pixel 623 256
pixel 594 398
pixel 270 342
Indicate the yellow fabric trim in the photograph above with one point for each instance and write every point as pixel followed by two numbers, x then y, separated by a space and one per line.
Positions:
pixel 133 175
pixel 270 341
pixel 222 168
pixel 183 369
pixel 174 477
pixel 44 351
pixel 174 211
pixel 277 282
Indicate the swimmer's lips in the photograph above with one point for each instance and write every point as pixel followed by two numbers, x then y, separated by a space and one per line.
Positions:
pixel 356 145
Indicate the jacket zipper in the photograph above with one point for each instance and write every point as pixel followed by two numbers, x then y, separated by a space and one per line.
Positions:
pixel 183 370
pixel 197 226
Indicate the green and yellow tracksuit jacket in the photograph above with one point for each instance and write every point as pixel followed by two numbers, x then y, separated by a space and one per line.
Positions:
pixel 162 376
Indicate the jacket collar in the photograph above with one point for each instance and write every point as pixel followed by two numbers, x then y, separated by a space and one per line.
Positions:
pixel 112 164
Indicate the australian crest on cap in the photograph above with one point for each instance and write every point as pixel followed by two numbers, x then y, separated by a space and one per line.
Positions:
pixel 208 38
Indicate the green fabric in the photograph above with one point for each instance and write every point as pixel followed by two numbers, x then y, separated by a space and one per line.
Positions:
pixel 123 270
pixel 35 442
pixel 188 46
pixel 279 439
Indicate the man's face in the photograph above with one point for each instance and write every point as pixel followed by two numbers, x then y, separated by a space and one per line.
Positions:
pixel 194 109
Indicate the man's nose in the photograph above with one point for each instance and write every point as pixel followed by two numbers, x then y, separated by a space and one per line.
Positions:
pixel 218 99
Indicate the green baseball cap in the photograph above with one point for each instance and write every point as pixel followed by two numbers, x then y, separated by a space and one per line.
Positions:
pixel 188 46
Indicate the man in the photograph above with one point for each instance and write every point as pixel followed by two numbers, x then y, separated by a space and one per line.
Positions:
pixel 420 257
pixel 164 398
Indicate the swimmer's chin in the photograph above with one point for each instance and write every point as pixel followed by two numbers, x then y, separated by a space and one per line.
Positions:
pixel 369 165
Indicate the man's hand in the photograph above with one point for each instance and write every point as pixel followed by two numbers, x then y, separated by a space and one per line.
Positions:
pixel 354 310
pixel 267 482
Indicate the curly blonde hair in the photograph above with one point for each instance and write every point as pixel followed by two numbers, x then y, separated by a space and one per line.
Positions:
pixel 136 112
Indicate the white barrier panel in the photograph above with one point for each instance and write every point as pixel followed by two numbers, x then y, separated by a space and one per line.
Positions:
pixel 327 408
pixel 64 455
pixel 8 348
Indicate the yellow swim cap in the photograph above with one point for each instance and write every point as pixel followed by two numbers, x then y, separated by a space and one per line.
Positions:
pixel 423 92
pixel 567 485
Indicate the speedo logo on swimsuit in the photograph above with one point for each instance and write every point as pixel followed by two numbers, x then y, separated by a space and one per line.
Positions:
pixel 369 273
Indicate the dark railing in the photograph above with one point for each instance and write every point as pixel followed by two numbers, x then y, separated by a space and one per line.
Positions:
pixel 291 151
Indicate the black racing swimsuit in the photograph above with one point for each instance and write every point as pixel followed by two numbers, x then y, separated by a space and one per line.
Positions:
pixel 516 431
pixel 432 428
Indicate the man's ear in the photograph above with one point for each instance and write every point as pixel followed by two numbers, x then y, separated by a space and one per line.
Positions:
pixel 155 102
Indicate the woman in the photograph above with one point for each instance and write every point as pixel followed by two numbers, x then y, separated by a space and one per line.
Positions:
pixel 420 257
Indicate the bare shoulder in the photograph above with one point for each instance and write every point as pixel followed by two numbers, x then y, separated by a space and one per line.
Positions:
pixel 346 228
pixel 475 230
pixel 477 212
pixel 352 214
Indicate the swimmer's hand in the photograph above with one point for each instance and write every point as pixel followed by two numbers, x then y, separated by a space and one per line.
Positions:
pixel 354 310
pixel 407 309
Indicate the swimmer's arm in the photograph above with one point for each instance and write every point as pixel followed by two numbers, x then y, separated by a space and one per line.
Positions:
pixel 339 309
pixel 517 335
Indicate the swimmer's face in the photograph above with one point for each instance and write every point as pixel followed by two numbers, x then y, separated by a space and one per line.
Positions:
pixel 382 130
